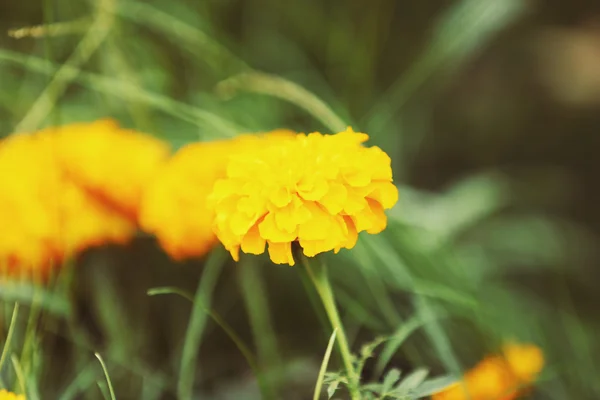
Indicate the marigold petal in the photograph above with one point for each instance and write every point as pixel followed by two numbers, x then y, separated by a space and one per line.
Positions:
pixel 352 236
pixel 357 177
pixel 335 199
pixel 235 253
pixel 380 163
pixel 378 218
pixel 355 202
pixel 281 253
pixel 317 227
pixel 270 231
pixel 252 242
pixel 281 197
pixel 240 223
pixel 312 189
pixel 386 193
pixel 311 248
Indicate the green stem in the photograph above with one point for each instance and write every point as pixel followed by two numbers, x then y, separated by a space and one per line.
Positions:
pixel 9 336
pixel 108 381
pixel 320 280
pixel 197 323
pixel 245 350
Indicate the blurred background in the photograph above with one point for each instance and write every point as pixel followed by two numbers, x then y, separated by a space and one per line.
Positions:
pixel 489 110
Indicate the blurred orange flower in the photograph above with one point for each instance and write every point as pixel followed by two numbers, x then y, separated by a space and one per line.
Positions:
pixel 498 377
pixel 174 207
pixel 5 395
pixel 319 190
pixel 69 188
pixel 113 163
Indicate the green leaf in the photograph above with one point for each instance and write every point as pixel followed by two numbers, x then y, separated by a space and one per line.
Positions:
pixel 434 385
pixel 331 389
pixel 323 369
pixel 412 381
pixel 391 378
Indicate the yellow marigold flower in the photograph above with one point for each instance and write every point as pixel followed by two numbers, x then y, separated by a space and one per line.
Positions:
pixel 114 164
pixel 526 361
pixel 45 215
pixel 498 377
pixel 5 395
pixel 174 206
pixel 27 225
pixel 319 190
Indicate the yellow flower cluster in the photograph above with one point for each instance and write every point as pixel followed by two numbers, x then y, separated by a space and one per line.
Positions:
pixel 317 190
pixel 5 395
pixel 53 202
pixel 85 184
pixel 498 377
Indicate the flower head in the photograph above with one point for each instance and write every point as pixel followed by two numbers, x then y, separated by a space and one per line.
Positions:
pixel 6 395
pixel 498 377
pixel 113 163
pixel 46 215
pixel 174 206
pixel 318 190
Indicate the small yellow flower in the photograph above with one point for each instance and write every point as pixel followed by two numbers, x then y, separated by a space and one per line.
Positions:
pixel 498 377
pixel 526 361
pixel 318 190
pixel 113 163
pixel 174 206
pixel 5 395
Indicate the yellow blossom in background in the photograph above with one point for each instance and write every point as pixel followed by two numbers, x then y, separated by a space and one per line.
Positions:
pixel 5 395
pixel 319 190
pixel 174 206
pixel 28 226
pixel 498 377
pixel 113 163
pixel 46 215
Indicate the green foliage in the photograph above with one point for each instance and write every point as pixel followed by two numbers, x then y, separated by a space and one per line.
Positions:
pixel 415 385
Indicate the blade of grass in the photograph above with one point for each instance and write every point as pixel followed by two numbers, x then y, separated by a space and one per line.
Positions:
pixel 82 381
pixel 396 340
pixel 182 34
pixel 9 336
pixel 31 332
pixel 92 40
pixel 197 323
pixel 21 382
pixel 108 382
pixel 51 29
pixel 24 293
pixel 324 364
pixel 242 347
pixel 257 307
pixel 387 253
pixel 284 89
pixel 127 91
pixel 461 32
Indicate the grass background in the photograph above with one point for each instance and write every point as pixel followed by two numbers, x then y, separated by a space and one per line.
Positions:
pixel 489 110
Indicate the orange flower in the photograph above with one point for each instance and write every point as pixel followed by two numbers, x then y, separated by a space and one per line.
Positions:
pixel 319 190
pixel 174 206
pixel 114 164
pixel 28 227
pixel 498 377
pixel 47 212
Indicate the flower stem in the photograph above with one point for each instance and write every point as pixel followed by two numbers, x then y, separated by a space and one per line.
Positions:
pixel 318 276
